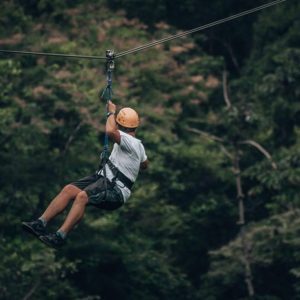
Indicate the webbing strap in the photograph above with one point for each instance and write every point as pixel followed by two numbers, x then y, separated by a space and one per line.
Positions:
pixel 118 175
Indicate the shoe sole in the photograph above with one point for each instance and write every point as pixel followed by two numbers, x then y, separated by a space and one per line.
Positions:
pixel 41 238
pixel 29 229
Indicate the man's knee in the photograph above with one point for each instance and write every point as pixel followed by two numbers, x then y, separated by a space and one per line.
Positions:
pixel 71 190
pixel 82 198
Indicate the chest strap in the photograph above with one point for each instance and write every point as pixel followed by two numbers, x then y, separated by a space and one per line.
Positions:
pixel 118 175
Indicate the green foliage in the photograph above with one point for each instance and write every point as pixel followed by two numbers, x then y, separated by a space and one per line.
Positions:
pixel 177 237
pixel 274 255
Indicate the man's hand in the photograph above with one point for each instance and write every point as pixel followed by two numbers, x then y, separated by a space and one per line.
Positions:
pixel 111 126
pixel 111 107
pixel 144 165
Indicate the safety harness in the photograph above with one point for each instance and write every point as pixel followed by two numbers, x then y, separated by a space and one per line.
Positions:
pixel 104 157
pixel 118 175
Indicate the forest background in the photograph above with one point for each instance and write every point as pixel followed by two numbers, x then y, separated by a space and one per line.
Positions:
pixel 216 216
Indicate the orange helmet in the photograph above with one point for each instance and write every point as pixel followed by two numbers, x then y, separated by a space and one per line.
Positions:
pixel 128 117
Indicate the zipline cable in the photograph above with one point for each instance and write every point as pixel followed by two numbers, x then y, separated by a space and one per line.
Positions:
pixel 151 44
pixel 52 54
pixel 188 32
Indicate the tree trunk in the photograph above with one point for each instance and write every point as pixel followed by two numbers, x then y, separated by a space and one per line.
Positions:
pixel 245 245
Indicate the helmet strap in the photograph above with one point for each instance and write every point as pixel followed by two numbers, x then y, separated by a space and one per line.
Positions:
pixel 126 129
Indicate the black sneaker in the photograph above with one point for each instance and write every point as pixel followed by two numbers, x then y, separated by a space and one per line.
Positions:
pixel 36 228
pixel 53 240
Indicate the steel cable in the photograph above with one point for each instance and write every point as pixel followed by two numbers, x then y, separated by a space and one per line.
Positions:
pixel 151 44
pixel 185 33
pixel 53 54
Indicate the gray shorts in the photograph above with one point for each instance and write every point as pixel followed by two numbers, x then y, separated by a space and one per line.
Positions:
pixel 94 186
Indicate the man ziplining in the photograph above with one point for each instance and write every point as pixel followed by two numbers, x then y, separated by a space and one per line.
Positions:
pixel 109 188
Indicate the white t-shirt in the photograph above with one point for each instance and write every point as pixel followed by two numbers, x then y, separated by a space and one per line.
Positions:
pixel 127 157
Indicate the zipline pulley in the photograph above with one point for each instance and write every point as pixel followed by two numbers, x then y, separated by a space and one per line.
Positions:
pixel 110 66
pixel 110 63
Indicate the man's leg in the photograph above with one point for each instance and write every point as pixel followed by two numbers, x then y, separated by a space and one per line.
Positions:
pixel 76 213
pixel 56 240
pixel 60 202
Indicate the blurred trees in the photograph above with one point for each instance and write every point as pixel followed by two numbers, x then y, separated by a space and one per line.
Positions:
pixel 177 236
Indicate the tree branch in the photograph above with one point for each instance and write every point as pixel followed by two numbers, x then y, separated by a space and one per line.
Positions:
pixel 214 139
pixel 233 57
pixel 226 152
pixel 225 91
pixel 71 137
pixel 32 290
pixel 262 150
pixel 206 135
pixel 228 47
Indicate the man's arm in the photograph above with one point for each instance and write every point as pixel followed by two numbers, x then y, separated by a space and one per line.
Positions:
pixel 111 125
